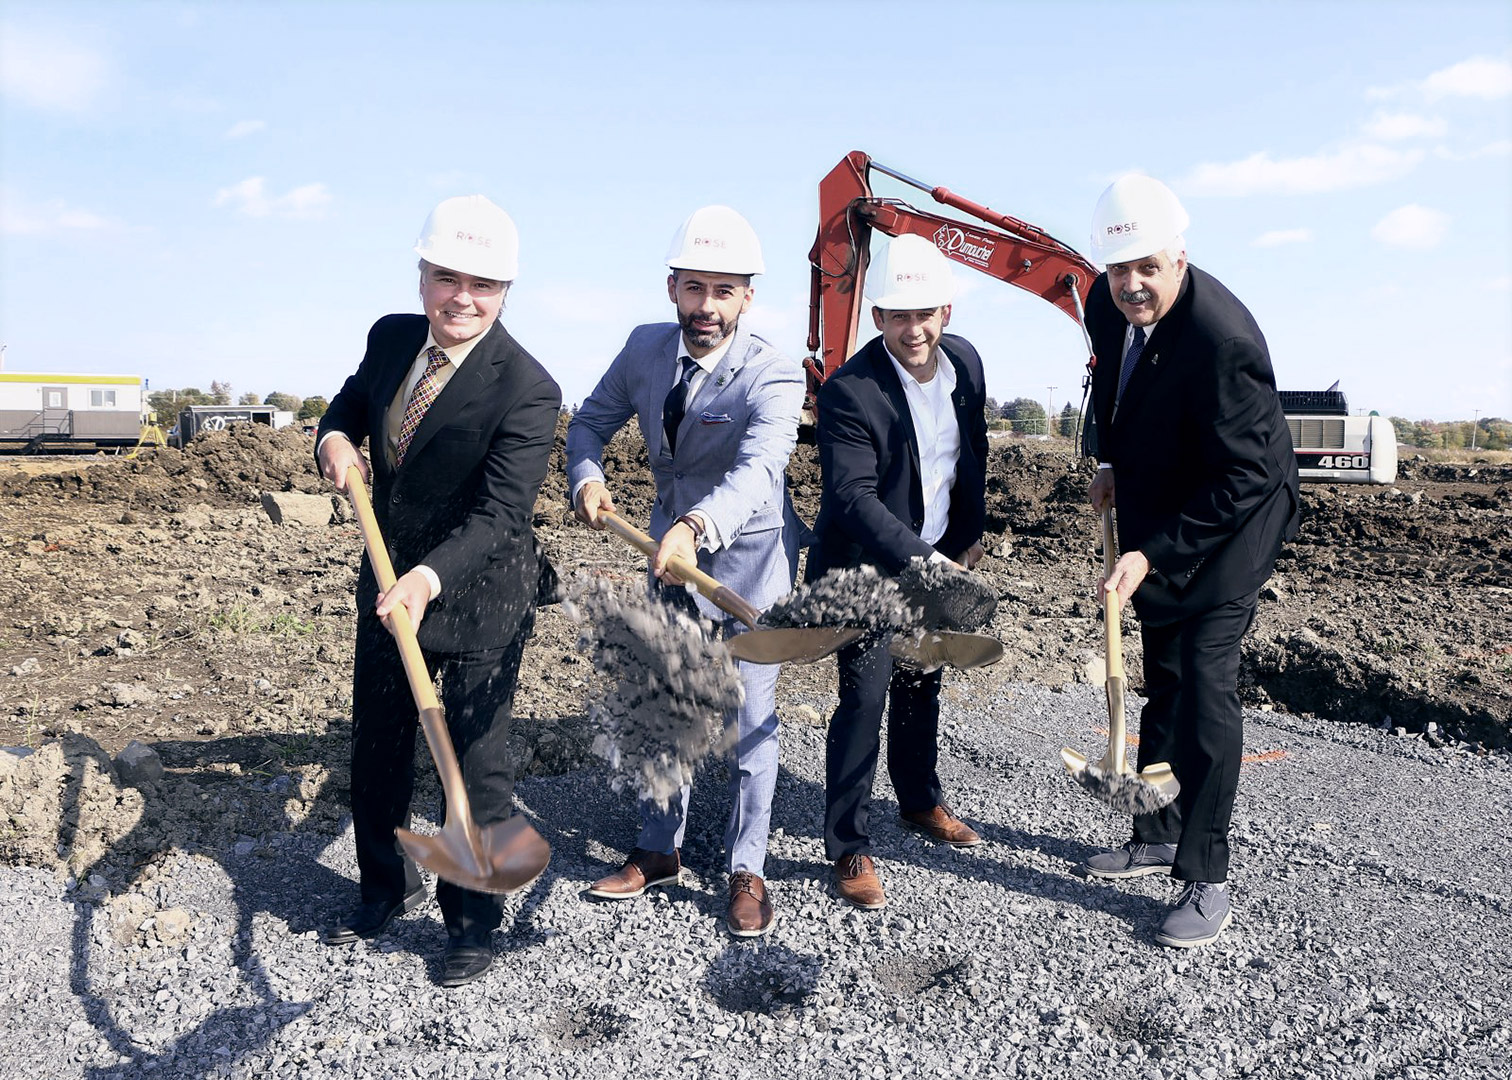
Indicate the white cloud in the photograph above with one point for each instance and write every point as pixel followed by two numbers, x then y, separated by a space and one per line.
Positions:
pixel 1411 226
pixel 242 128
pixel 251 197
pixel 52 216
pixel 1259 174
pixel 1482 77
pixel 1280 237
pixel 1499 284
pixel 1391 126
pixel 49 72
pixel 1500 148
pixel 1478 77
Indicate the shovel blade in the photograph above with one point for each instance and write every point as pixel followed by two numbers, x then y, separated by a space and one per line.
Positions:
pixel 932 649
pixel 509 856
pixel 802 645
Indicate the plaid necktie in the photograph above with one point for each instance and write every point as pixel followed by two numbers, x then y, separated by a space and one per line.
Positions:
pixel 1135 348
pixel 676 404
pixel 426 389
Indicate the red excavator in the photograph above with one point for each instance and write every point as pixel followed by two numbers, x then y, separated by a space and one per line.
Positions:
pixel 1331 445
pixel 1005 248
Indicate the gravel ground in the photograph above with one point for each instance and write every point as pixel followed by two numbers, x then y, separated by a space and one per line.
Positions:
pixel 1369 939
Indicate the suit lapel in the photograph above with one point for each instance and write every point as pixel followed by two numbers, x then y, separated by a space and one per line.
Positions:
pixel 892 389
pixel 719 380
pixel 663 372
pixel 478 371
pixel 1166 332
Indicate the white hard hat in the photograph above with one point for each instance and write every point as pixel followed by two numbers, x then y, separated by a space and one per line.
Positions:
pixel 1136 216
pixel 717 239
pixel 909 274
pixel 471 235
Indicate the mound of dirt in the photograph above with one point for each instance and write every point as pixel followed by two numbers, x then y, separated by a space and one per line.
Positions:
pixel 153 600
pixel 218 468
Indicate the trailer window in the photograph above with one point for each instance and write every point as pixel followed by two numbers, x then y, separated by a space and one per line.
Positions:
pixel 102 399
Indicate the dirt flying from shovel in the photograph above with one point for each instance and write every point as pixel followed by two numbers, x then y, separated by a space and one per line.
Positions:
pixel 663 715
pixel 925 596
pixel 1128 794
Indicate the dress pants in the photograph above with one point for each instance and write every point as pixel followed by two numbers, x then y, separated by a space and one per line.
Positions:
pixel 753 770
pixel 477 696
pixel 1192 719
pixel 869 680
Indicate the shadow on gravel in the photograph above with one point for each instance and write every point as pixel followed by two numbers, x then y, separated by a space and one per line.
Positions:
pixel 771 979
pixel 286 882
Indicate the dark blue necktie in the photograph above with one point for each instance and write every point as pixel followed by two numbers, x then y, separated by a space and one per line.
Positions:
pixel 676 404
pixel 1135 348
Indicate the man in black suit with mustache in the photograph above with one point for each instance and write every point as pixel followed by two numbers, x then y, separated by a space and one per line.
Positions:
pixel 1194 451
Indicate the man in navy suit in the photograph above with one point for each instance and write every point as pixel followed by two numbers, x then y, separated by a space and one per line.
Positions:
pixel 718 407
pixel 1194 451
pixel 459 421
pixel 903 449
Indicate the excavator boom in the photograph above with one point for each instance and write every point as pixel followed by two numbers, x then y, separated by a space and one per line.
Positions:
pixel 995 244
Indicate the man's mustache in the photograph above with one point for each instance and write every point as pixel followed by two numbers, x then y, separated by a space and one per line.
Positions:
pixel 1135 297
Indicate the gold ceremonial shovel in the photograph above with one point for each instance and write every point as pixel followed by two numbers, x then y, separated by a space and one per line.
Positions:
pixel 500 858
pixel 802 645
pixel 1111 779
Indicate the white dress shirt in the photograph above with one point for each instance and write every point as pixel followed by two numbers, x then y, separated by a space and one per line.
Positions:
pixel 932 410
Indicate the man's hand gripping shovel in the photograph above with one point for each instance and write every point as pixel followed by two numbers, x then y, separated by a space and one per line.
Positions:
pixel 500 858
pixel 1111 779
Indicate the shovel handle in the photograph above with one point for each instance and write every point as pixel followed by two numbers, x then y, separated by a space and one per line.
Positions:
pixel 1117 759
pixel 421 686
pixel 721 596
pixel 424 691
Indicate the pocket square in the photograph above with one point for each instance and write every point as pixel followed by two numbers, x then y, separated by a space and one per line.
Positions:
pixel 713 418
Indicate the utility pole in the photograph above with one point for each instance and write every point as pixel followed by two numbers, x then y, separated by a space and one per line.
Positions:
pixel 1474 429
pixel 1049 408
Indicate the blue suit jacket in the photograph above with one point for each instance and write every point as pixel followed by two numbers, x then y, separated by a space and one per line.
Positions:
pixel 732 451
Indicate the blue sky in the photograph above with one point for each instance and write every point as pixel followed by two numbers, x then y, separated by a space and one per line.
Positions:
pixel 231 191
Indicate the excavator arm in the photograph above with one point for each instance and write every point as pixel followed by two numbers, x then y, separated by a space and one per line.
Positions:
pixel 1002 247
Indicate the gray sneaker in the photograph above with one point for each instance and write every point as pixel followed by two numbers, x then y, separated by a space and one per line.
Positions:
pixel 1132 860
pixel 1201 912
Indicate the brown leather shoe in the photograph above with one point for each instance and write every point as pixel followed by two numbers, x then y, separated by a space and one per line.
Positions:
pixel 939 823
pixel 856 880
pixel 751 913
pixel 642 870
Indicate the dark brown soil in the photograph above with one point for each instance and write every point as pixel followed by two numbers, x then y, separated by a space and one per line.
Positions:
pixel 153 600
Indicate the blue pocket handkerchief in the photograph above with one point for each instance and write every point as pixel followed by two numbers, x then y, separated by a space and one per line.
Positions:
pixel 713 418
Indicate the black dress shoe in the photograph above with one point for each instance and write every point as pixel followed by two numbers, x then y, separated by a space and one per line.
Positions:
pixel 368 920
pixel 462 963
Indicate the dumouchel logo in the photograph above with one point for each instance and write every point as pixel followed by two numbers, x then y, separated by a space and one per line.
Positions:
pixel 964 245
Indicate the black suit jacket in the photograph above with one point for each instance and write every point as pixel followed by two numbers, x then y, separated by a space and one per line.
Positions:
pixel 1204 472
pixel 462 501
pixel 872 506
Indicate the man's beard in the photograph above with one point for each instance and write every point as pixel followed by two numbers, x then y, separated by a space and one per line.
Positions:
pixel 705 339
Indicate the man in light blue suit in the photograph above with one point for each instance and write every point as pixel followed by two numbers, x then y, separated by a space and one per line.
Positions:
pixel 718 407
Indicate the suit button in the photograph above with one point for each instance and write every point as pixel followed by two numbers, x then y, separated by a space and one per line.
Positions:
pixel 678 476
pixel 396 499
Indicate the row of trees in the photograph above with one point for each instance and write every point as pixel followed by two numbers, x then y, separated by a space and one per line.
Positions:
pixel 167 403
pixel 1027 417
pixel 1487 433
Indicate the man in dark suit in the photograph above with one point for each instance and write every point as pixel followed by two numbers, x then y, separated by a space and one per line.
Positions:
pixel 459 420
pixel 1189 428
pixel 903 449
